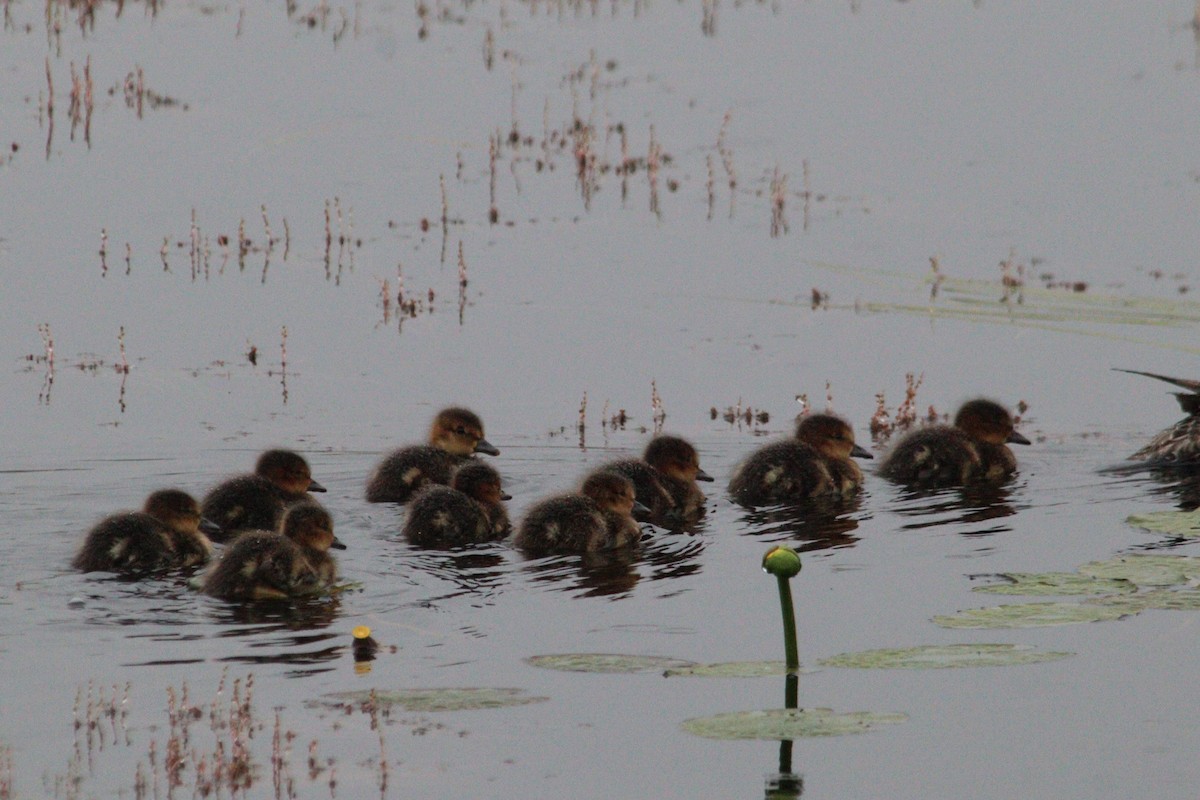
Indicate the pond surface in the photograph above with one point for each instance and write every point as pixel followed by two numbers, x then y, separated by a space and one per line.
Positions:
pixel 525 207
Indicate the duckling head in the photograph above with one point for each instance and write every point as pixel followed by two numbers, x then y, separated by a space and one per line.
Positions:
pixel 676 457
pixel 179 511
pixel 987 421
pixel 288 470
pixel 459 431
pixel 479 482
pixel 309 525
pixel 829 435
pixel 612 492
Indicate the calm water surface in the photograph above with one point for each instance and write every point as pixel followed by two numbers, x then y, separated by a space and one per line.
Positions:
pixel 883 133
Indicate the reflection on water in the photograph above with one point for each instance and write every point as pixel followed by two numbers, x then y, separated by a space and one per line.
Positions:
pixel 958 506
pixel 819 524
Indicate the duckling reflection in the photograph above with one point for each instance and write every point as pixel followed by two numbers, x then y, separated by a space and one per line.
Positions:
pixel 599 517
pixel 468 511
pixel 296 633
pixel 1178 445
pixel 815 463
pixel 961 506
pixel 601 573
pixel 168 533
pixel 665 481
pixel 823 523
pixel 972 451
pixel 264 565
pixel 258 501
pixel 456 434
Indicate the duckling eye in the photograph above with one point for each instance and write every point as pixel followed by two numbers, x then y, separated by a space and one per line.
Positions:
pixel 461 430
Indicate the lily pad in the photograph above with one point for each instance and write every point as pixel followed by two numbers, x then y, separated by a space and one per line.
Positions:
pixel 429 700
pixel 1185 524
pixel 1030 615
pixel 730 669
pixel 608 662
pixel 1145 570
pixel 787 723
pixel 1056 583
pixel 1163 599
pixel 934 656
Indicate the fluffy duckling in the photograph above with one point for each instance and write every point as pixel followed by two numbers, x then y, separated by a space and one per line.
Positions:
pixel 599 517
pixel 281 478
pixel 264 565
pixel 974 450
pixel 456 434
pixel 167 533
pixel 468 511
pixel 815 463
pixel 1178 445
pixel 665 480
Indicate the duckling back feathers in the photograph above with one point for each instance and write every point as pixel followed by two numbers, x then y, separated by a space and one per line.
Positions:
pixel 258 501
pixel 597 519
pixel 469 511
pixel 455 435
pixel 166 534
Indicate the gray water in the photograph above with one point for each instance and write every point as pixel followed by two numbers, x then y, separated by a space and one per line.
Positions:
pixel 1060 139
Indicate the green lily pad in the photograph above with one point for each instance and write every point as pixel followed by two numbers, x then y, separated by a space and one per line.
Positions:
pixel 730 669
pixel 1056 583
pixel 429 700
pixel 1029 615
pixel 607 662
pixel 787 723
pixel 1163 599
pixel 1145 570
pixel 934 656
pixel 1185 524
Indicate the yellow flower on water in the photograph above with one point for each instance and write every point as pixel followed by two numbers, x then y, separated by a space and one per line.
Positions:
pixel 361 632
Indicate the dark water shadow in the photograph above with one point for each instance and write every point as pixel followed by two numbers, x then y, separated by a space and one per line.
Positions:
pixel 822 524
pixel 960 505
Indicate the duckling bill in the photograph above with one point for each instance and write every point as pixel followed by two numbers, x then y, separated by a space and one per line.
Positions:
pixel 455 436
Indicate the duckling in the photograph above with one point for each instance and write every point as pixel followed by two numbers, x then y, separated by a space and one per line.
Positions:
pixel 972 451
pixel 599 517
pixel 468 511
pixel 815 463
pixel 1178 445
pixel 665 480
pixel 456 434
pixel 264 565
pixel 281 478
pixel 167 533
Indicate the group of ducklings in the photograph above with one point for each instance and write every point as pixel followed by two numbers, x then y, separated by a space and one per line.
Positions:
pixel 278 539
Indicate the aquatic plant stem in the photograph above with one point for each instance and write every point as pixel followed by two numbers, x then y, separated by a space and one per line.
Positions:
pixel 784 564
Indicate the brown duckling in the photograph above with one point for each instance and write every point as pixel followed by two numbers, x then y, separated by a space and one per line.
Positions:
pixel 264 565
pixel 665 480
pixel 281 478
pixel 599 517
pixel 973 450
pixel 815 463
pixel 456 434
pixel 468 511
pixel 167 533
pixel 1178 445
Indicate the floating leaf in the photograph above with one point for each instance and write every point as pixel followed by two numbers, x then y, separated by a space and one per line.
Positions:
pixel 1145 570
pixel 934 656
pixel 730 669
pixel 787 723
pixel 1165 599
pixel 1185 524
pixel 607 662
pixel 1030 615
pixel 428 700
pixel 1056 583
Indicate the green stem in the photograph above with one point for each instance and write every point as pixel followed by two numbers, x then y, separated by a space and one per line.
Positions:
pixel 789 625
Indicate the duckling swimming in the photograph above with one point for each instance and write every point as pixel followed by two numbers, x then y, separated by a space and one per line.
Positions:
pixel 974 450
pixel 456 434
pixel 264 565
pixel 468 511
pixel 599 517
pixel 815 463
pixel 1178 445
pixel 166 534
pixel 257 502
pixel 665 480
